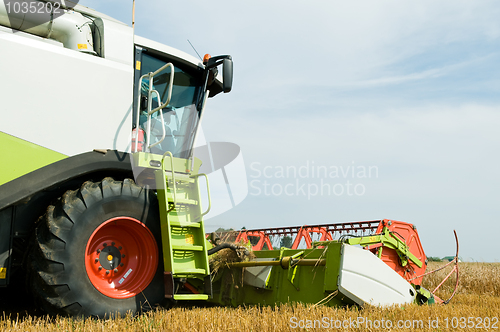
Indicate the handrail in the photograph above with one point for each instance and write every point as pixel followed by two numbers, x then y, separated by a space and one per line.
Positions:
pixel 164 133
pixel 170 85
pixel 138 113
pixel 173 176
pixel 161 106
pixel 208 193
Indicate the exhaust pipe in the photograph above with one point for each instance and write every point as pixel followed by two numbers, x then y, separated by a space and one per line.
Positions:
pixel 68 27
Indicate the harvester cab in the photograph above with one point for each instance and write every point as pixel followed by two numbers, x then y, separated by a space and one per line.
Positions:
pixel 169 102
pixel 169 107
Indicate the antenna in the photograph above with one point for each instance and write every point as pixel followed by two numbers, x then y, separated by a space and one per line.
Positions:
pixel 194 49
pixel 133 24
pixel 133 13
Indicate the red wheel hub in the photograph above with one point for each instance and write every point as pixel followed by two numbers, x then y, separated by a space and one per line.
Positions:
pixel 121 257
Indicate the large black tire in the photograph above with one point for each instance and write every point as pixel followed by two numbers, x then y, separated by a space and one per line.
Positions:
pixel 58 275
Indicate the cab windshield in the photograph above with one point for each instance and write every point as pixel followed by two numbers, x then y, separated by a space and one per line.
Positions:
pixel 180 116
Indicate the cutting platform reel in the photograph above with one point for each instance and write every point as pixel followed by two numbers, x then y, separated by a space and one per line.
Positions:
pixel 395 242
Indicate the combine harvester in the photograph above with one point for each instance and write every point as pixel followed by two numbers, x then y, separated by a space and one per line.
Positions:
pixel 100 203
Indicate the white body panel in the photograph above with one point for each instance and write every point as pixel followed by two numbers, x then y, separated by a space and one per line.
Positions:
pixel 364 278
pixel 65 100
pixel 173 52
pixel 40 23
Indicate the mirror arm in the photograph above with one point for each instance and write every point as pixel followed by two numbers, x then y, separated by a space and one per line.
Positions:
pixel 217 60
pixel 199 103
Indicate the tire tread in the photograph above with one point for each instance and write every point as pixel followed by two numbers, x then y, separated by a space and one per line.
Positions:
pixel 49 280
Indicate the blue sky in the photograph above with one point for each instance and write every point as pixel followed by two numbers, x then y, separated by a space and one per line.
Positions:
pixel 408 87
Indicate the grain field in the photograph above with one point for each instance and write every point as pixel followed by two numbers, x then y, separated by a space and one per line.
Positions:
pixel 476 307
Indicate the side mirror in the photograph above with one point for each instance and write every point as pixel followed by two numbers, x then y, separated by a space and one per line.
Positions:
pixel 227 75
pixel 227 69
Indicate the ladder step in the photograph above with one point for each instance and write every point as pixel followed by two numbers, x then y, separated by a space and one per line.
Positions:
pixel 184 224
pixel 186 202
pixel 187 247
pixel 179 177
pixel 182 201
pixel 190 297
pixel 190 271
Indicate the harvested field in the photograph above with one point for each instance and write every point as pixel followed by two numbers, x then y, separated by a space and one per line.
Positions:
pixel 475 307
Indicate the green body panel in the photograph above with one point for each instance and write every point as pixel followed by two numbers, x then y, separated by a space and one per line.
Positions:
pixel 23 157
pixel 297 283
pixel 389 240
pixel 153 161
pixel 305 284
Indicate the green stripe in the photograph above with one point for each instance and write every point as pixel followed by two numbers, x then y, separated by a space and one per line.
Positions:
pixel 19 157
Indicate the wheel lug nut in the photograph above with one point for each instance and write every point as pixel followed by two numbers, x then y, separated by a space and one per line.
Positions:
pixel 112 243
pixel 98 251
pixel 100 268
pixel 115 270
pixel 107 271
pixel 105 245
pixel 120 248
pixel 96 260
pixel 123 256
pixel 121 264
